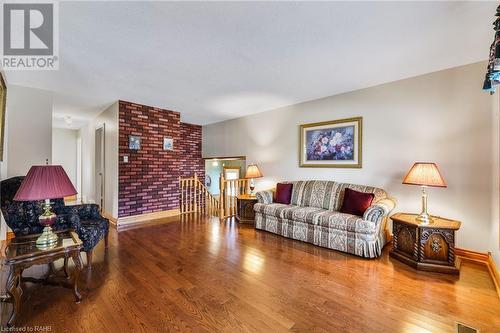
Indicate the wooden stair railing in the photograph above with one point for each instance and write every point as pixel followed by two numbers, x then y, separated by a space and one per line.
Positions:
pixel 229 190
pixel 194 197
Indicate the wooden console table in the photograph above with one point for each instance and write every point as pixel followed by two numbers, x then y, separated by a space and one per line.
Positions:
pixel 244 208
pixel 425 247
pixel 22 253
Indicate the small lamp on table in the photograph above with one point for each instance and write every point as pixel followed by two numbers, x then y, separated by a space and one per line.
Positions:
pixel 253 171
pixel 424 174
pixel 45 182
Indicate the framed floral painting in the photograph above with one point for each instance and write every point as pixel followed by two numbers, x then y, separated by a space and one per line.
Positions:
pixel 331 144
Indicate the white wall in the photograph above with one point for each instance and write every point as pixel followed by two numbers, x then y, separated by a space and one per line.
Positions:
pixel 109 118
pixel 442 117
pixel 495 197
pixel 28 133
pixel 86 136
pixel 30 129
pixel 64 151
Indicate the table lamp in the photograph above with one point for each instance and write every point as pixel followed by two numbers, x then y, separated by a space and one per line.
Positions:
pixel 45 182
pixel 253 171
pixel 424 174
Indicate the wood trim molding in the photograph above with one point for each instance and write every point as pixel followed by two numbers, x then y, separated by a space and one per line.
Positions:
pixel 481 258
pixel 495 275
pixel 225 158
pixel 112 220
pixel 130 221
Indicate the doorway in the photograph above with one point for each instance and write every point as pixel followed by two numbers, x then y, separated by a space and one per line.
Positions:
pixel 99 166
pixel 232 167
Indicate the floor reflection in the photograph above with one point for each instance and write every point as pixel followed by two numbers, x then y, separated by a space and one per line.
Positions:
pixel 253 260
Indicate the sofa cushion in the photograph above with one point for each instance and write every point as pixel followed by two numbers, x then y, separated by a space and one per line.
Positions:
pixel 344 222
pixel 300 214
pixel 356 203
pixel 272 209
pixel 289 212
pixel 283 193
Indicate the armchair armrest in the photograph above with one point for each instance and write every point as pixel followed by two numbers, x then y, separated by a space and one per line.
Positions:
pixel 86 211
pixel 379 210
pixel 67 221
pixel 264 197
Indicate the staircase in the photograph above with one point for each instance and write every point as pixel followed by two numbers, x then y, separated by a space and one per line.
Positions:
pixel 196 198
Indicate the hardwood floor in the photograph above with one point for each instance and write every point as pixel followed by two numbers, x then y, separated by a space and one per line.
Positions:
pixel 200 275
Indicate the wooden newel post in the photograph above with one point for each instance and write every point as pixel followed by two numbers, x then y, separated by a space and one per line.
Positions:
pixel 180 195
pixel 221 196
pixel 195 194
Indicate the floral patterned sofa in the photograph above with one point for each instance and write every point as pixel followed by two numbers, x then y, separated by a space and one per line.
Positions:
pixel 313 217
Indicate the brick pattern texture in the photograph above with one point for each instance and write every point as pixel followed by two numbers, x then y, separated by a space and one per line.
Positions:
pixel 149 182
pixel 190 152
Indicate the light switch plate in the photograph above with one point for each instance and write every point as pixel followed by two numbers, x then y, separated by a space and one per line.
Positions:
pixel 125 159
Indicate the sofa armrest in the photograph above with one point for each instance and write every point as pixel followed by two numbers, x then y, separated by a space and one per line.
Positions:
pixel 264 197
pixel 378 211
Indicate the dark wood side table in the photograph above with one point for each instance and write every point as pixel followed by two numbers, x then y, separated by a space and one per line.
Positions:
pixel 244 208
pixel 22 253
pixel 425 247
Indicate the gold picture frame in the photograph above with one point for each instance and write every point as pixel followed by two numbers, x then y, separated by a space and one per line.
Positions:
pixel 331 144
pixel 3 99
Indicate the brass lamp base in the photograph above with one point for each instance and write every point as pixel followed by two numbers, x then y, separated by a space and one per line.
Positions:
pixel 252 187
pixel 47 239
pixel 424 218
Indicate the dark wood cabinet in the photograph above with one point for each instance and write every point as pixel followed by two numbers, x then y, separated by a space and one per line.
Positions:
pixel 244 208
pixel 428 247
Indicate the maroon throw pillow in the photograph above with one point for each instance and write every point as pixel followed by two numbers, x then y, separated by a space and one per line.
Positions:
pixel 283 193
pixel 356 203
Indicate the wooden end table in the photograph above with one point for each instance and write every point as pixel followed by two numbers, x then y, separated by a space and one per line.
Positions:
pixel 244 208
pixel 22 253
pixel 428 247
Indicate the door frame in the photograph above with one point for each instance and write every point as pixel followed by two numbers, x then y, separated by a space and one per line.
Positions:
pixel 232 168
pixel 101 127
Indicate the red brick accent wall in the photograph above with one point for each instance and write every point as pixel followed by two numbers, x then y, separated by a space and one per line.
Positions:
pixel 190 152
pixel 149 182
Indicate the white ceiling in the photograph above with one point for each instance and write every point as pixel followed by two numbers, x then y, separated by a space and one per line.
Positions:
pixel 213 61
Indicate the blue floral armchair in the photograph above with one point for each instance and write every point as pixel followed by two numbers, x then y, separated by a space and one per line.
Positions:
pixel 22 217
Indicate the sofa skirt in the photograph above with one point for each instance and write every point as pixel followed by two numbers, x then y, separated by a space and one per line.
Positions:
pixel 363 245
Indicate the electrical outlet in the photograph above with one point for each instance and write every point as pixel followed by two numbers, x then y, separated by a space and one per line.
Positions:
pixel 125 159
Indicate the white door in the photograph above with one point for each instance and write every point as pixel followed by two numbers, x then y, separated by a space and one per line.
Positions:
pixel 99 166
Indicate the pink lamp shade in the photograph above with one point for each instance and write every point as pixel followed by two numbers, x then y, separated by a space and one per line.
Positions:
pixel 45 182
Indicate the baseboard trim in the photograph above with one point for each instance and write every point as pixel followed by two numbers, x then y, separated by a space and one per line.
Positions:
pixel 479 257
pixel 495 275
pixel 484 259
pixel 112 220
pixel 132 221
